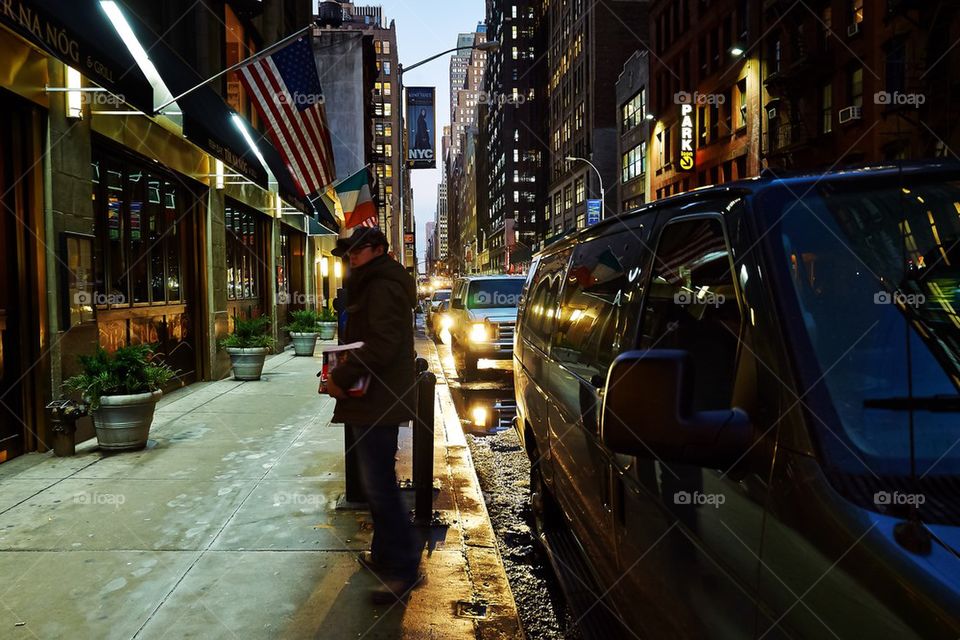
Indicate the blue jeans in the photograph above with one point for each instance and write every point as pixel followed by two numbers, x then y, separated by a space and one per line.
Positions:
pixel 396 544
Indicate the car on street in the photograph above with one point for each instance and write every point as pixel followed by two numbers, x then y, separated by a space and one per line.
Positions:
pixel 743 403
pixel 483 312
pixel 436 298
pixel 440 319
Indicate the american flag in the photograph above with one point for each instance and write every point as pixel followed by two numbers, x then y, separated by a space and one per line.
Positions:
pixel 285 87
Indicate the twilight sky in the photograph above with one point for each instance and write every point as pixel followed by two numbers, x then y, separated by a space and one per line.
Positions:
pixel 424 28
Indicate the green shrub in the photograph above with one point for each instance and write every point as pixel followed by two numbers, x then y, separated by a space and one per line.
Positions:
pixel 131 370
pixel 303 322
pixel 249 334
pixel 327 315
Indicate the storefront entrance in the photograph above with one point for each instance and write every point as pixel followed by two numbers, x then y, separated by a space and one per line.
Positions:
pixel 19 338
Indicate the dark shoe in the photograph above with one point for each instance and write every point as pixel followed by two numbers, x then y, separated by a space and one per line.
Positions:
pixel 393 590
pixel 366 560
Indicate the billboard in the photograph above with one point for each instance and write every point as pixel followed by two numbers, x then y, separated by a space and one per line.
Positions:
pixel 421 128
pixel 594 207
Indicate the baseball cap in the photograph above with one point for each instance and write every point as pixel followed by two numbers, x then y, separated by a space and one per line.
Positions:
pixel 357 237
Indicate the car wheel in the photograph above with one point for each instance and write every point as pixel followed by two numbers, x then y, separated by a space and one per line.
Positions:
pixel 545 515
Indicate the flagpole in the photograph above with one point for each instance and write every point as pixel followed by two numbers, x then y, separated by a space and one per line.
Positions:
pixel 234 67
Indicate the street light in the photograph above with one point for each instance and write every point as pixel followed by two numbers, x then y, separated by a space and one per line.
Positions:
pixel 490 45
pixel 603 194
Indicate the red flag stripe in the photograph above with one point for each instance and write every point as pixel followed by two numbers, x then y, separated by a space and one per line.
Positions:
pixel 298 118
pixel 292 123
pixel 255 84
pixel 314 130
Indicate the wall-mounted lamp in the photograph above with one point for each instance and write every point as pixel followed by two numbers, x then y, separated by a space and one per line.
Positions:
pixel 278 206
pixel 218 174
pixel 324 266
pixel 337 269
pixel 74 93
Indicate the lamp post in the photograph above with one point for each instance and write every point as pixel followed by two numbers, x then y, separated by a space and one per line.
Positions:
pixel 603 194
pixel 491 45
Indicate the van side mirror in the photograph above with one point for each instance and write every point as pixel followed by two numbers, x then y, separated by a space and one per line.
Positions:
pixel 647 412
pixel 456 304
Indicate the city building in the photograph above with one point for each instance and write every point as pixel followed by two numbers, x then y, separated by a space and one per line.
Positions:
pixel 129 228
pixel 854 82
pixel 387 119
pixel 587 46
pixel 514 172
pixel 634 131
pixel 705 94
pixel 442 246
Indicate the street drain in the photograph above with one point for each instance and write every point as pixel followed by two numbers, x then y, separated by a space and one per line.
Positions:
pixel 476 610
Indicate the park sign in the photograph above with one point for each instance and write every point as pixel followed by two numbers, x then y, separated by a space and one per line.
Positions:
pixel 687 153
pixel 421 128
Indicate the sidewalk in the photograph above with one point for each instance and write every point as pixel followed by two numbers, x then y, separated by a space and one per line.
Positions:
pixel 225 527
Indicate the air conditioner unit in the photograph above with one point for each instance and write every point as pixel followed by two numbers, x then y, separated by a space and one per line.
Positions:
pixel 853 29
pixel 849 114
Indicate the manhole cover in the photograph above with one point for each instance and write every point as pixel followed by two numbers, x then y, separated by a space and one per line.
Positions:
pixel 471 609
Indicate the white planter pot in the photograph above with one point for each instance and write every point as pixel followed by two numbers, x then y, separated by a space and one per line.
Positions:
pixel 304 343
pixel 123 422
pixel 328 330
pixel 247 363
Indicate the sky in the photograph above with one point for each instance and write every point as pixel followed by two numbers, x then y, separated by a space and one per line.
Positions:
pixel 425 28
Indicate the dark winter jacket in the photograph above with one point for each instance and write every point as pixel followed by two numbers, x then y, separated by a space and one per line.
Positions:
pixel 381 296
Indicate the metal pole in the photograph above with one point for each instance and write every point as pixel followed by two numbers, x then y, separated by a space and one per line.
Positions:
pixel 234 67
pixel 423 444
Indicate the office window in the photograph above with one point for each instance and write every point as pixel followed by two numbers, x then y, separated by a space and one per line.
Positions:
pixel 386 67
pixel 856 87
pixel 856 11
pixel 386 89
pixel 386 47
pixel 826 108
pixel 387 109
pixel 634 162
pixel 741 91
pixel 580 189
pixel 568 198
pixel 634 110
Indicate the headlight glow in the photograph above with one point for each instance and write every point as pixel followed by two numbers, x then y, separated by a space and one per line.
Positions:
pixel 446 322
pixel 479 416
pixel 478 333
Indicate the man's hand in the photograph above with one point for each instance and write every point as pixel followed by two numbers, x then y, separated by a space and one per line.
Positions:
pixel 334 391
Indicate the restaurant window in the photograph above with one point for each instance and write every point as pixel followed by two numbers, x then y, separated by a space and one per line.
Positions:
pixel 244 243
pixel 139 229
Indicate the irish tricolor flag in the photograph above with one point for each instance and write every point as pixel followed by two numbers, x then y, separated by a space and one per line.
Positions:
pixel 355 199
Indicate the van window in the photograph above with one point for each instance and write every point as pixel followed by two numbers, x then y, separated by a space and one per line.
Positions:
pixel 541 299
pixel 595 301
pixel 692 305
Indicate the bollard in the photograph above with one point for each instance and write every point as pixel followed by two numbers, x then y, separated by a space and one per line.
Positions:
pixel 423 445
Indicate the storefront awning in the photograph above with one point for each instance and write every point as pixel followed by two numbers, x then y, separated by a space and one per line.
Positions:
pixel 80 34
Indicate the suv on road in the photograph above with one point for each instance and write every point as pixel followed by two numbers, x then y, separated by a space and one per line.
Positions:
pixel 483 312
pixel 432 306
pixel 743 402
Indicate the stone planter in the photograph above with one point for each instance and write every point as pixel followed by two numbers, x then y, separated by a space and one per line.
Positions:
pixel 247 363
pixel 328 330
pixel 123 422
pixel 304 343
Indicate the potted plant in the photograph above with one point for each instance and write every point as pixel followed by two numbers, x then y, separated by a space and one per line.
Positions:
pixel 248 347
pixel 303 331
pixel 328 323
pixel 122 390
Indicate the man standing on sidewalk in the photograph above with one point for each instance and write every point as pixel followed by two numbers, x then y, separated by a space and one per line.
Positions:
pixel 380 300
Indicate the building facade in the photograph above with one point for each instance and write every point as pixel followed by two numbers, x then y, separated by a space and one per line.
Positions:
pixel 127 228
pixel 586 47
pixel 634 118
pixel 514 173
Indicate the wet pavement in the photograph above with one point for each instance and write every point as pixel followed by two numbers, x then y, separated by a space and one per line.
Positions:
pixel 486 407
pixel 227 526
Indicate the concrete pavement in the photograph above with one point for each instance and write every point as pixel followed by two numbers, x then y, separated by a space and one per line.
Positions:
pixel 226 526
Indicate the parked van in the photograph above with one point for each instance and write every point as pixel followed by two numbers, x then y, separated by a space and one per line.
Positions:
pixel 483 313
pixel 743 401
